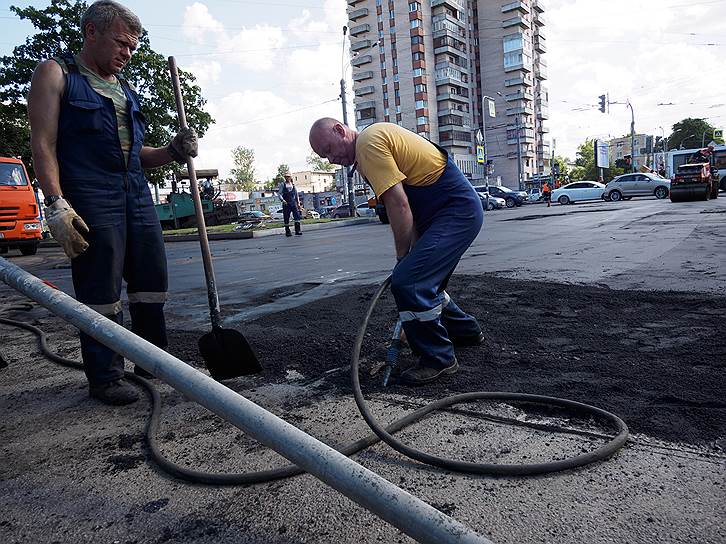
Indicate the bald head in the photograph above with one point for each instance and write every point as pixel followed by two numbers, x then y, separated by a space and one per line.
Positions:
pixel 333 140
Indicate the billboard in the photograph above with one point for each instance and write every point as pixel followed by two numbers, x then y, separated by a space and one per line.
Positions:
pixel 602 159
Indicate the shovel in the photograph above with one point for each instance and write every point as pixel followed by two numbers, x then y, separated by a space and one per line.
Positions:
pixel 226 352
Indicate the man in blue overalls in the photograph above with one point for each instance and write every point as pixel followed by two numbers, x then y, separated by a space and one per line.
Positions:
pixel 287 192
pixel 435 214
pixel 87 140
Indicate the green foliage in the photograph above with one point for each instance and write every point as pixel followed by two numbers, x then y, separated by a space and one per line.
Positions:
pixel 564 169
pixel 270 184
pixel 318 164
pixel 59 30
pixel 280 176
pixel 585 168
pixel 243 173
pixel 691 133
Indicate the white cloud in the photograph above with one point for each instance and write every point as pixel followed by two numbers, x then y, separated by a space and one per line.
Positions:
pixel 253 48
pixel 198 23
pixel 206 72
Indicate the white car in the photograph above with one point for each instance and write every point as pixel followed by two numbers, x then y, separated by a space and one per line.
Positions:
pixel 578 191
pixel 364 211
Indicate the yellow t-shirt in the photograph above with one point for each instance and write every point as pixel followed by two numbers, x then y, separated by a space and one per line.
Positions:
pixel 387 154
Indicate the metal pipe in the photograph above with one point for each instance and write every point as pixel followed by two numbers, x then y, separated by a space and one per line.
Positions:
pixel 392 504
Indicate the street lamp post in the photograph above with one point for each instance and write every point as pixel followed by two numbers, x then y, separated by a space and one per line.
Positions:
pixel 484 110
pixel 344 101
pixel 632 137
pixel 519 153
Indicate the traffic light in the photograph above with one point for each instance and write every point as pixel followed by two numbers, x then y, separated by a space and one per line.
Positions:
pixel 602 103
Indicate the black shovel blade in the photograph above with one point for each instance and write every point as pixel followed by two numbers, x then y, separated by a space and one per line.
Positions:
pixel 227 354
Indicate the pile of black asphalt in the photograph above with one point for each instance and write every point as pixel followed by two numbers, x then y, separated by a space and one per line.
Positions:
pixel 656 359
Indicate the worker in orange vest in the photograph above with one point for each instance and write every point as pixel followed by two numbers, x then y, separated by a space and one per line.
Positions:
pixel 547 193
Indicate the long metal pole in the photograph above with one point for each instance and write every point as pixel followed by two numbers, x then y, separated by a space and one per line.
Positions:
pixel 632 137
pixel 394 505
pixel 348 169
pixel 484 135
pixel 519 153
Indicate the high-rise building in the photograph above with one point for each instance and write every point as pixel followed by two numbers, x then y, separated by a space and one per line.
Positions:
pixel 427 65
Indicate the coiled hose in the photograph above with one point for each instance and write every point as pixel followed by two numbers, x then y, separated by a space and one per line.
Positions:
pixel 380 432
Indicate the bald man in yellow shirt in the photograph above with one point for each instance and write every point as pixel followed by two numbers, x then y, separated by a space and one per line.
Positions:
pixel 435 215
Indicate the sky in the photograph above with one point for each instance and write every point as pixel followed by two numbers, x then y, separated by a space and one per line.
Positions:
pixel 268 69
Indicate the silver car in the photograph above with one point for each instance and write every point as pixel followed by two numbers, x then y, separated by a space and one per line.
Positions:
pixel 636 184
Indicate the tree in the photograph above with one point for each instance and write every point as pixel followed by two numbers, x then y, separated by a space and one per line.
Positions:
pixel 270 184
pixel 563 168
pixel 243 173
pixel 585 168
pixel 691 133
pixel 59 30
pixel 318 164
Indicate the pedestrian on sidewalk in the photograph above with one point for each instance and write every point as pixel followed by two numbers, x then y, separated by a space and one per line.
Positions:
pixel 547 193
pixel 87 135
pixel 435 215
pixel 290 204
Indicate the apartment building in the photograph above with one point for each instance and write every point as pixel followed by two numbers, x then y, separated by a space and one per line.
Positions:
pixel 426 65
pixel 309 181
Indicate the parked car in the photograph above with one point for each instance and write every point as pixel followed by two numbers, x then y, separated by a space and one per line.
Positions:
pixel 310 214
pixel 253 216
pixel 627 186
pixel 580 190
pixel 489 202
pixel 511 197
pixel 342 211
pixel 363 210
pixel 534 195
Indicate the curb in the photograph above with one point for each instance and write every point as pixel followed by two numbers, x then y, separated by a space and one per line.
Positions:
pixel 247 234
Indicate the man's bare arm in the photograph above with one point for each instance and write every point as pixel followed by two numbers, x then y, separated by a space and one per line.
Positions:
pixel 153 157
pixel 401 219
pixel 44 99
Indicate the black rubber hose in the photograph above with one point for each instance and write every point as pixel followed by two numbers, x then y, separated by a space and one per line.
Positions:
pixel 380 433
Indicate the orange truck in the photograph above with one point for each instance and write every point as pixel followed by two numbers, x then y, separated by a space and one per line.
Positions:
pixel 20 226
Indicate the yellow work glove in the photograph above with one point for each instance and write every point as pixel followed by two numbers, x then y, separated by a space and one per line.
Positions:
pixel 67 227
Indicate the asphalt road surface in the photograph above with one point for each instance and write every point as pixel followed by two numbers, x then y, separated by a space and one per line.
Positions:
pixel 619 305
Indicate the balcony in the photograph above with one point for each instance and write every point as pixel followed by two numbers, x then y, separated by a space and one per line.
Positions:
pixel 450 3
pixel 362 91
pixel 360 45
pixel 543 129
pixel 353 2
pixel 515 21
pixel 360 29
pixel 538 5
pixel 512 6
pixel 365 105
pixel 450 75
pixel 361 76
pixel 361 60
pixel 539 20
pixel 525 66
pixel 446 28
pixel 544 149
pixel 522 94
pixel 357 14
pixel 363 123
pixel 539 44
pixel 541 73
pixel 453 96
pixel 543 113
pixel 520 110
pixel 449 18
pixel 521 80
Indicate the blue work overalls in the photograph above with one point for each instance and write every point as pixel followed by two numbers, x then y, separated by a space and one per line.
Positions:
pixel 448 216
pixel 289 196
pixel 113 198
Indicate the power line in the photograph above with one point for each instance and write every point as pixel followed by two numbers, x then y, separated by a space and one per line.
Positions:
pixel 279 114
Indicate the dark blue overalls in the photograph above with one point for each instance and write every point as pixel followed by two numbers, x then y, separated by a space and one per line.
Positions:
pixel 448 216
pixel 114 200
pixel 290 198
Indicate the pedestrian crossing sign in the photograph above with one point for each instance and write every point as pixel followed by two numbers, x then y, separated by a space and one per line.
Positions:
pixel 480 154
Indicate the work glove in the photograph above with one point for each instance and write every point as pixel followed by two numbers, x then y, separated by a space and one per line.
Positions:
pixel 67 227
pixel 184 145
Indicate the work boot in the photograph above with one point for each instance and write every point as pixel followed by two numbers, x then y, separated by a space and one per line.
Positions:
pixel 422 374
pixel 141 373
pixel 468 340
pixel 116 393
pixel 298 230
pixel 287 231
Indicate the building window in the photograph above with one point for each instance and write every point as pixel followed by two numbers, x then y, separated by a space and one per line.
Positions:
pixel 416 40
pixel 421 104
pixel 396 93
pixel 420 88
pixel 398 109
pixel 385 95
pixel 516 59
pixel 418 55
pixel 385 80
pixel 422 120
pixel 395 77
pixel 383 65
pixel 391 14
pixel 386 111
pixel 379 2
pixel 419 72
pixel 415 23
pixel 380 17
pixel 414 6
pixel 395 62
pixel 513 42
pixel 380 37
